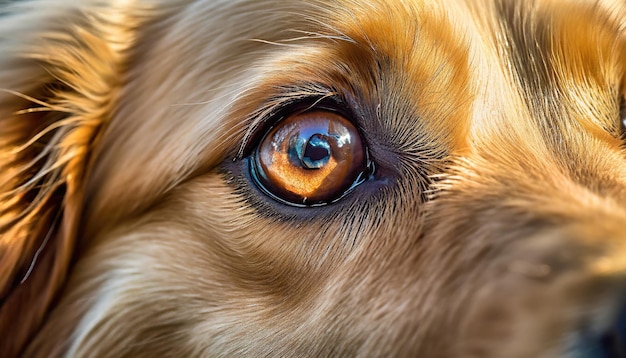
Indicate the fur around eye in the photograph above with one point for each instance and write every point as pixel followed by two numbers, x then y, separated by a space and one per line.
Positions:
pixel 622 118
pixel 310 158
pixel 622 123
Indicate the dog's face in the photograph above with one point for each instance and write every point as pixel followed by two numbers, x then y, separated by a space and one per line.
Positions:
pixel 313 178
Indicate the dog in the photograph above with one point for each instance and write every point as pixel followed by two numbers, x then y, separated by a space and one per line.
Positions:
pixel 324 178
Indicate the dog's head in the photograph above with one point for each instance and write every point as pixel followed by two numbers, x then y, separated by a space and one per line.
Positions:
pixel 312 178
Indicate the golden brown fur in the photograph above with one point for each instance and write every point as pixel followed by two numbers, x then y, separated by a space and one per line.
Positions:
pixel 493 226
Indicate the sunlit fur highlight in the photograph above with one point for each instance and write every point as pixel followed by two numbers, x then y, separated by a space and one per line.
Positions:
pixel 57 91
pixel 493 226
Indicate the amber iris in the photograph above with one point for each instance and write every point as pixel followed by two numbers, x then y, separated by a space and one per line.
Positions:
pixel 310 158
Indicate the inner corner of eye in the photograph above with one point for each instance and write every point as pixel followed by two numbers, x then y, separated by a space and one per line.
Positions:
pixel 309 158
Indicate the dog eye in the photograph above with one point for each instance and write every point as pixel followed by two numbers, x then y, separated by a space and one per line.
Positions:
pixel 310 158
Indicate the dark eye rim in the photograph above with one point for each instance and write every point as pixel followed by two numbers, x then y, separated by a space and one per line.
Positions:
pixel 333 104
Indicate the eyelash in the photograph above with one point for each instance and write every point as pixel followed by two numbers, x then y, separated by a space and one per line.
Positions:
pixel 621 127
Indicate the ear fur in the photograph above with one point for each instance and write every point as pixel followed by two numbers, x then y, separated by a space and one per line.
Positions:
pixel 60 75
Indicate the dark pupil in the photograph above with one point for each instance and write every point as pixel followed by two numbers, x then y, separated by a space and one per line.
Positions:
pixel 313 153
pixel 316 152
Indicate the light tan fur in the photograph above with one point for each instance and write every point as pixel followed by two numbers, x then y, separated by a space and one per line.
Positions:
pixel 494 225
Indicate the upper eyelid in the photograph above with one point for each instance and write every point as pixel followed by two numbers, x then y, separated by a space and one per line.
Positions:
pixel 273 110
